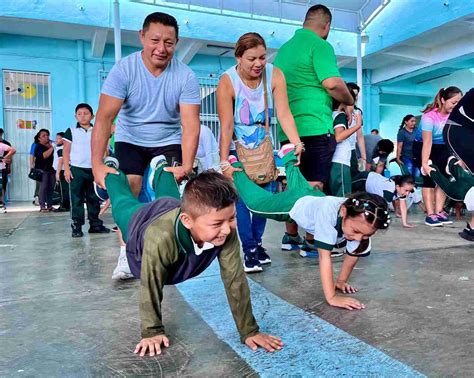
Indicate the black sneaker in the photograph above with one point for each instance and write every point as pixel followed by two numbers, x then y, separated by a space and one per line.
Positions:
pixel 99 230
pixel 291 243
pixel 76 231
pixel 251 263
pixel 60 210
pixel 262 255
pixel 467 233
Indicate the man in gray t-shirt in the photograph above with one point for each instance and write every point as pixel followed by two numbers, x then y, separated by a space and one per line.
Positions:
pixel 157 99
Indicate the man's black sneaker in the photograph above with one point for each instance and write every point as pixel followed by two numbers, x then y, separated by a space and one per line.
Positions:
pixel 99 230
pixel 76 231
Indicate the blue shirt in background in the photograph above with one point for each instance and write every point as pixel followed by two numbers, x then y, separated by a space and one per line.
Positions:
pixel 432 121
pixel 149 116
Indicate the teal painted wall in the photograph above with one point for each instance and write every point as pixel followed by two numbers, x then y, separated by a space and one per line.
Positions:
pixel 59 58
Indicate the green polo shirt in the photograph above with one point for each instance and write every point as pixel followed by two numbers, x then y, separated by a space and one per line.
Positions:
pixel 306 61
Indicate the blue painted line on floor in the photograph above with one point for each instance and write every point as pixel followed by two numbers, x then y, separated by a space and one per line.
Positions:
pixel 312 345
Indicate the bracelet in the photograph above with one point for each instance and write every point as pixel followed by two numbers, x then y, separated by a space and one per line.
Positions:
pixel 300 144
pixel 225 165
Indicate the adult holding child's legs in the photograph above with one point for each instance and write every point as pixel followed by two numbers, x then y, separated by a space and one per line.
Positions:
pixel 247 95
pixel 157 98
pixel 430 145
pixel 309 65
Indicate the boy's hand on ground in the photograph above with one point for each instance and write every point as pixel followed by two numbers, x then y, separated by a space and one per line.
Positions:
pixel 229 172
pixel 152 344
pixel 179 173
pixel 100 171
pixel 68 175
pixel 346 302
pixel 345 287
pixel 268 342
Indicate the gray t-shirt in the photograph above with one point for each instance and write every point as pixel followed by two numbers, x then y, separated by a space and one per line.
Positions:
pixel 371 141
pixel 149 116
pixel 407 138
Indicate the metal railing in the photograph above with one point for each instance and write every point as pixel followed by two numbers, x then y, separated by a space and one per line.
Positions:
pixel 282 11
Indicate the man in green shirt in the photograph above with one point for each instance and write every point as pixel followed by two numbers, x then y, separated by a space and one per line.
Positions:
pixel 309 64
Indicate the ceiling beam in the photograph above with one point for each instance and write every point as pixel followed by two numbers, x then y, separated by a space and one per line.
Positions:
pixel 440 56
pixel 98 42
pixel 410 54
pixel 343 61
pixel 187 49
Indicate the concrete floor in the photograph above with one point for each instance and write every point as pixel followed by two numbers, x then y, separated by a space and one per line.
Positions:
pixel 62 315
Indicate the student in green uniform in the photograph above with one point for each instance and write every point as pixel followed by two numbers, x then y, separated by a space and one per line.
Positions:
pixel 169 241
pixel 340 180
pixel 394 189
pixel 78 173
pixel 460 189
pixel 333 221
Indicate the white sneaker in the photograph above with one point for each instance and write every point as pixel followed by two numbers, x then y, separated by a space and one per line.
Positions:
pixel 3 209
pixel 122 270
pixel 285 149
pixel 156 162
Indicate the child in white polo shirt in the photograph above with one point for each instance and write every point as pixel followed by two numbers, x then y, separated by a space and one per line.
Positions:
pixel 340 180
pixel 78 173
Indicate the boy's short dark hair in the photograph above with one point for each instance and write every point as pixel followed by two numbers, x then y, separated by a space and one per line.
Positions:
pixel 1 131
pixel 160 18
pixel 206 191
pixel 336 103
pixel 85 106
pixel 61 134
pixel 376 131
pixel 385 146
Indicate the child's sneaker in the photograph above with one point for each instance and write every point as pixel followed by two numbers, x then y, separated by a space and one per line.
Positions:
pixel 309 250
pixel 443 217
pixel 467 233
pixel 99 230
pixel 433 221
pixel 76 231
pixel 155 163
pixel 101 193
pixel 423 171
pixel 122 270
pixel 262 255
pixel 232 159
pixel 111 162
pixel 291 243
pixel 251 263
pixel 3 209
pixel 451 161
pixel 285 149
